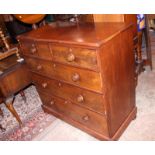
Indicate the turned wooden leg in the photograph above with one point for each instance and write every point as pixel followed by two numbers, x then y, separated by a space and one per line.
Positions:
pixel 140 63
pixel 23 95
pixel 3 129
pixel 1 113
pixel 134 117
pixel 9 105
pixel 139 47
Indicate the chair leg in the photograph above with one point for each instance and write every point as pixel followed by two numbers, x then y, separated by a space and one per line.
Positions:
pixel 139 61
pixel 9 105
pixel 139 52
pixel 1 113
pixel 23 95
pixel 3 129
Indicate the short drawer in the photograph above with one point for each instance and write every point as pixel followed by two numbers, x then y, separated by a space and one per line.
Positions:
pixel 13 81
pixel 43 50
pixel 79 77
pixel 81 57
pixel 86 117
pixel 82 97
pixel 29 48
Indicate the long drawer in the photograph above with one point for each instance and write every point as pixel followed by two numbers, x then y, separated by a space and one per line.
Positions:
pixel 79 77
pixel 86 117
pixel 82 97
pixel 82 57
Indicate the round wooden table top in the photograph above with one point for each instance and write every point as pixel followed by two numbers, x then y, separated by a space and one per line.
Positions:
pixel 30 18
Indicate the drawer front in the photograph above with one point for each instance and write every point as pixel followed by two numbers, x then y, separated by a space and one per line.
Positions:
pixel 43 50
pixel 29 48
pixel 81 57
pixel 74 94
pixel 87 118
pixel 83 78
pixel 14 80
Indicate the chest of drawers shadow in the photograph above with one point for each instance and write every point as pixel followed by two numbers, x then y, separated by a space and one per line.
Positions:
pixel 84 75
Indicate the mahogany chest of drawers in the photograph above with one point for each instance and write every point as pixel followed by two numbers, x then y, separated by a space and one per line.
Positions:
pixel 84 74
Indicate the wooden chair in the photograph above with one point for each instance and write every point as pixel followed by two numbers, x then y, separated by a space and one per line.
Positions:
pixel 14 79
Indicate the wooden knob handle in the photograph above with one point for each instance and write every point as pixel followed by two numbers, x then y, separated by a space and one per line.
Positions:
pixel 80 98
pixel 70 57
pixel 94 60
pixel 33 45
pixel 86 118
pixel 44 85
pixel 76 77
pixel 39 67
pixel 54 65
pixel 33 50
pixel 66 102
pixel 59 84
pixel 52 102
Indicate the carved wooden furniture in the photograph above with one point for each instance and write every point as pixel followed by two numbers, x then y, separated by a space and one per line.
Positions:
pixel 13 78
pixel 85 74
pixel 148 60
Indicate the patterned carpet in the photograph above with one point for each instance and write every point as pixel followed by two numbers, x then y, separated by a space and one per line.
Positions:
pixel 33 118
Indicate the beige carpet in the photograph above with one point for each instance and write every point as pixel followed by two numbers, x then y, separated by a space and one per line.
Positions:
pixel 143 128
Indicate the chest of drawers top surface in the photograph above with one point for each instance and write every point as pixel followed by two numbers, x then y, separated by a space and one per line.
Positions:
pixel 89 34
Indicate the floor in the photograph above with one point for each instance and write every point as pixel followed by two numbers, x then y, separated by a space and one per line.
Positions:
pixel 142 128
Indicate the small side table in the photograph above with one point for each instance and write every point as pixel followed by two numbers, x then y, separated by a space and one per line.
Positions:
pixel 14 78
